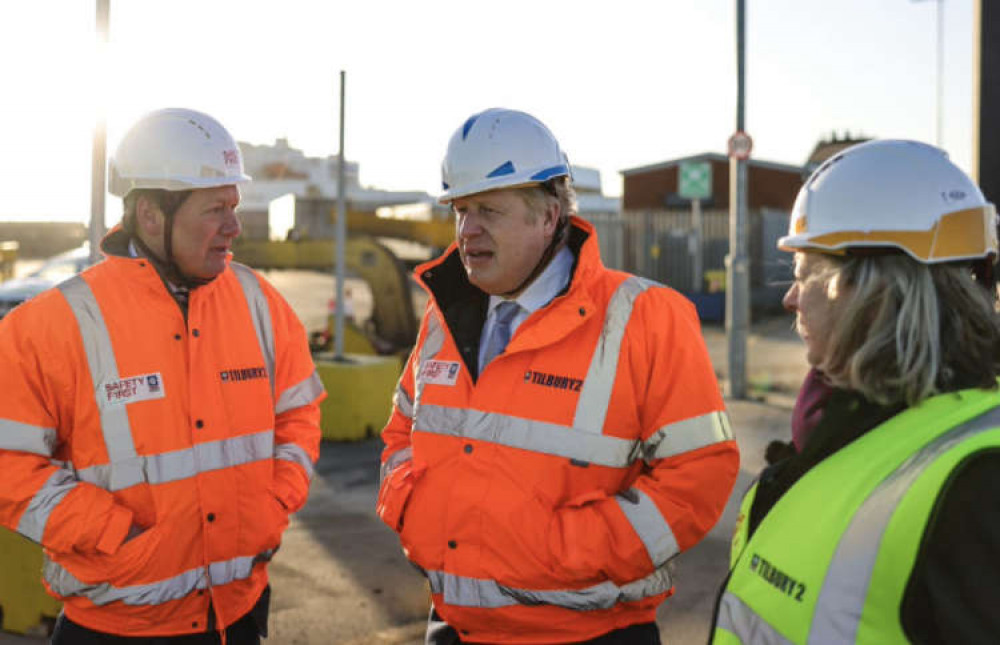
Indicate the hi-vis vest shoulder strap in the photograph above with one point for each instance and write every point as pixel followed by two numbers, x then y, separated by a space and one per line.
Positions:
pixel 589 446
pixel 830 562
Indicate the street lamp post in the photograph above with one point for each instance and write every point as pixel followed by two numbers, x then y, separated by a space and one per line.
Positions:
pixel 737 263
pixel 939 91
pixel 99 147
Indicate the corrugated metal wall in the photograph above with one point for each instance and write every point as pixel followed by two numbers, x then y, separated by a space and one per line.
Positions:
pixel 660 245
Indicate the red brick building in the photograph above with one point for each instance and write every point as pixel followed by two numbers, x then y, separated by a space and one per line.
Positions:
pixel 654 187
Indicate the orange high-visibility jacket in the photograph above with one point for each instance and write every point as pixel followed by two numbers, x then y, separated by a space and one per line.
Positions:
pixel 544 499
pixel 115 414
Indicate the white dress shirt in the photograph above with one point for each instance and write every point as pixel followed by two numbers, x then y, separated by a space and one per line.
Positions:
pixel 539 293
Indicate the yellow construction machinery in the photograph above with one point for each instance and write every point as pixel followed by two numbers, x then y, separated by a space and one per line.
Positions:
pixel 361 383
pixel 392 327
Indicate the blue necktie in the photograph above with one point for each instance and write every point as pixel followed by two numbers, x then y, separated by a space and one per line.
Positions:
pixel 500 336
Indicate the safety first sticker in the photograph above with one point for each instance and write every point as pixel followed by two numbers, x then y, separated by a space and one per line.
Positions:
pixel 440 372
pixel 132 389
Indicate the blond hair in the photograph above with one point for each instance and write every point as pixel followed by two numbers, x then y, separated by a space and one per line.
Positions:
pixel 909 330
pixel 559 190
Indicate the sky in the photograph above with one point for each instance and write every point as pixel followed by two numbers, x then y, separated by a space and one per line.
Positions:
pixel 620 83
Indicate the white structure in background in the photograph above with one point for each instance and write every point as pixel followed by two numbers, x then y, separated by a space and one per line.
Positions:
pixel 591 201
pixel 279 170
pixel 290 190
pixel 587 182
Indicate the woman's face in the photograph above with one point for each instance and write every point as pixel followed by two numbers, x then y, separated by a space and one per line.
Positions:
pixel 816 299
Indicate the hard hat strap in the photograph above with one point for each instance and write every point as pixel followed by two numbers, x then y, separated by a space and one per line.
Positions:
pixel 562 226
pixel 169 202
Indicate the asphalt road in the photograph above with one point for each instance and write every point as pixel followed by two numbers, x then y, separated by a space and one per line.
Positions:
pixel 340 577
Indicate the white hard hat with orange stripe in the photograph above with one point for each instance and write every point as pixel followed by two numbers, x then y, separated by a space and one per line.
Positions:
pixel 893 194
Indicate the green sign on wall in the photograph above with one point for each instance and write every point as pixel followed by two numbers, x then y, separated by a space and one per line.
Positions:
pixel 695 180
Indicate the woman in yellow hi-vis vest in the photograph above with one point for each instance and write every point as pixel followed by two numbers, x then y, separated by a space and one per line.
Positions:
pixel 884 526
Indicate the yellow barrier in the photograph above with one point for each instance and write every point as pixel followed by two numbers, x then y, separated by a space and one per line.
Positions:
pixel 8 259
pixel 359 394
pixel 26 608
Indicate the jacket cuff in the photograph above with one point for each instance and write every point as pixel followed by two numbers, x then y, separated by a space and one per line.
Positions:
pixel 115 530
pixel 288 497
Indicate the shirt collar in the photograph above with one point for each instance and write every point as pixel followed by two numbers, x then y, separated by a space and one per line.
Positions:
pixel 546 286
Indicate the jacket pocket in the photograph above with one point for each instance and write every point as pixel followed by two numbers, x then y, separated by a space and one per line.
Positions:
pixel 139 499
pixel 125 567
pixel 279 521
pixel 395 493
pixel 516 540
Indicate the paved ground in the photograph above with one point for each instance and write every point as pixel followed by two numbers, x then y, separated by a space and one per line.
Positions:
pixel 341 579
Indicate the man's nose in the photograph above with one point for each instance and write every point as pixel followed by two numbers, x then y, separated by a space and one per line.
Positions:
pixel 468 225
pixel 232 225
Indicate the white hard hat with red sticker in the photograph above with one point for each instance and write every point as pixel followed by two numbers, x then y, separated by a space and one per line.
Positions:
pixel 175 149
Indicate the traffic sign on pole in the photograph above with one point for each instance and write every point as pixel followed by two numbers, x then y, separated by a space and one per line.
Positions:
pixel 740 145
pixel 695 180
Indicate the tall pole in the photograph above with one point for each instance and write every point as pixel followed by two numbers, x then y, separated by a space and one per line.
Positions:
pixel 98 157
pixel 341 233
pixel 939 75
pixel 939 125
pixel 697 255
pixel 986 98
pixel 737 269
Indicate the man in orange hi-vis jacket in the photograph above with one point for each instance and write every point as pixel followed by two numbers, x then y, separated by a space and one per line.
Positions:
pixel 558 435
pixel 159 413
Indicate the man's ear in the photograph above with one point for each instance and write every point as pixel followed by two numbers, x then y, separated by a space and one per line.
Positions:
pixel 550 219
pixel 148 217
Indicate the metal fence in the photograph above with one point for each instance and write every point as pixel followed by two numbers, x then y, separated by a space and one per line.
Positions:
pixel 661 245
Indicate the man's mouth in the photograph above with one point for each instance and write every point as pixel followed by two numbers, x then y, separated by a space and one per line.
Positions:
pixel 478 254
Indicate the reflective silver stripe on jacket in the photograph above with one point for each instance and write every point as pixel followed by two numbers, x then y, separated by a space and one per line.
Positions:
pixel 260 313
pixel 65 583
pixel 126 468
pixel 24 437
pixel 103 367
pixel 595 394
pixel 433 342
pixel 402 401
pixel 647 521
pixel 396 459
pixel 736 617
pixel 300 394
pixel 490 594
pixel 845 588
pixel 294 453
pixel 34 518
pixel 526 434
pixel 182 464
pixel 690 434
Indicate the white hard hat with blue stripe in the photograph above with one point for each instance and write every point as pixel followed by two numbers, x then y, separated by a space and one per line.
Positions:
pixel 500 148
